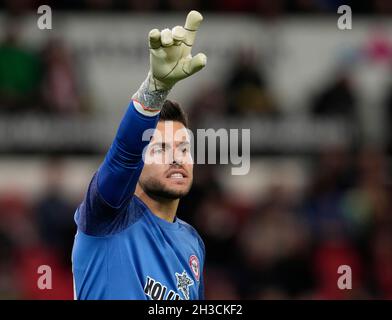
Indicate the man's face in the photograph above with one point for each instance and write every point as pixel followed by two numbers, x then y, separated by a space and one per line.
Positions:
pixel 168 165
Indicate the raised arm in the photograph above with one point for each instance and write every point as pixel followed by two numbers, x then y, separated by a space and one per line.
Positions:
pixel 116 179
pixel 170 61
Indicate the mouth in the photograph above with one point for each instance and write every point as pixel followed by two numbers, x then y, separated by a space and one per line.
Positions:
pixel 177 174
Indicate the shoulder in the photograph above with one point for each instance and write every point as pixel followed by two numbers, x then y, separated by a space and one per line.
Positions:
pixel 193 232
pixel 98 218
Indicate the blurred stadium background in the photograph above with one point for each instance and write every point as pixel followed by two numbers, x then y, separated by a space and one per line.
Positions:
pixel 318 101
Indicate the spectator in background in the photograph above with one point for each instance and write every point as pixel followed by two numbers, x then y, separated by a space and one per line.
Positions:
pixel 7 264
pixel 20 72
pixel 60 87
pixel 18 235
pixel 274 245
pixel 367 208
pixel 247 89
pixel 54 214
pixel 336 99
pixel 381 248
pixel 13 210
pixel 210 101
pixel 322 204
pixel 367 204
pixel 349 212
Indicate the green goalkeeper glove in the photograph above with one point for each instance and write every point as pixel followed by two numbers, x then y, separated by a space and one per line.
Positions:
pixel 170 61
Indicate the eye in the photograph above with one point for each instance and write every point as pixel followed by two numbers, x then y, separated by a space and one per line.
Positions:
pixel 158 149
pixel 185 150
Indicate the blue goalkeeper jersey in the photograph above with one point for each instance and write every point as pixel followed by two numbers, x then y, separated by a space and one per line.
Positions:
pixel 121 249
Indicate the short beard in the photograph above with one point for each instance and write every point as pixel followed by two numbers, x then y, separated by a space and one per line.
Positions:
pixel 156 190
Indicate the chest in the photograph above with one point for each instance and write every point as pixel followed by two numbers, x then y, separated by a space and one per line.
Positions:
pixel 165 263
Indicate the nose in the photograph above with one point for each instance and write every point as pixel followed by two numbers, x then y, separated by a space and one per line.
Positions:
pixel 177 159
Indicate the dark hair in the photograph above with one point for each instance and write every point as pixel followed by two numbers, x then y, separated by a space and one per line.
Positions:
pixel 171 111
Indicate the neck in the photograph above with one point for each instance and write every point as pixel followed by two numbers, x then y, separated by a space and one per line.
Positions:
pixel 163 208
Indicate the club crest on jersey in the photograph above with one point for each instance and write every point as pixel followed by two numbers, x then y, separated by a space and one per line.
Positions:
pixel 195 266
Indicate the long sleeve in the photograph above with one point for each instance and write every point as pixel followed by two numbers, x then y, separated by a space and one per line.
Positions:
pixel 104 209
pixel 120 171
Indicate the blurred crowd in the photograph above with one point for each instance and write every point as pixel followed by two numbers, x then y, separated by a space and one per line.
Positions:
pixel 289 244
pixel 264 8
pixel 246 91
pixel 42 80
pixel 284 244
pixel 34 232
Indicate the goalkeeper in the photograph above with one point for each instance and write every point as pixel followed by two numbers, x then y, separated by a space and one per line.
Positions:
pixel 129 243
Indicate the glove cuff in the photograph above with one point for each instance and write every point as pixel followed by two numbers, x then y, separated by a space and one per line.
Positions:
pixel 148 95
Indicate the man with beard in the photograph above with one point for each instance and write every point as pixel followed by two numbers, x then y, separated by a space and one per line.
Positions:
pixel 129 243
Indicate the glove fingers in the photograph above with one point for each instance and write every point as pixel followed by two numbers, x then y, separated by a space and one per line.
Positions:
pixel 192 24
pixel 166 38
pixel 193 20
pixel 178 34
pixel 195 64
pixel 154 38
